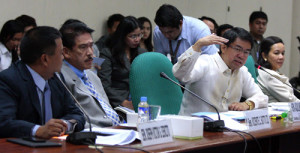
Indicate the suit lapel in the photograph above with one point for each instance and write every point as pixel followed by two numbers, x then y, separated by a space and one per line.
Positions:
pixel 76 81
pixel 31 87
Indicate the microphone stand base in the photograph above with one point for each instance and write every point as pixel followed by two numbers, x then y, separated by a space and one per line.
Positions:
pixel 214 126
pixel 80 138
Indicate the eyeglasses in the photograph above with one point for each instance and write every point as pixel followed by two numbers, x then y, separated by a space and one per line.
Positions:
pixel 241 50
pixel 85 47
pixel 136 36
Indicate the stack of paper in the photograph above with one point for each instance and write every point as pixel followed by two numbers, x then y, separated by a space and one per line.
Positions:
pixel 279 106
pixel 115 136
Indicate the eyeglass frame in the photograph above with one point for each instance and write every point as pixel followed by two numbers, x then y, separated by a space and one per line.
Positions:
pixel 240 49
pixel 134 36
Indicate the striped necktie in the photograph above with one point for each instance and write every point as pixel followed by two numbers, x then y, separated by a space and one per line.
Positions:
pixel 108 110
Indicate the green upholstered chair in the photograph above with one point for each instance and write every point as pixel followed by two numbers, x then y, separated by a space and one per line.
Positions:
pixel 250 64
pixel 145 80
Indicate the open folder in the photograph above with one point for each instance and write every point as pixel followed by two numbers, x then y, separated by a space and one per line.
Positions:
pixel 229 122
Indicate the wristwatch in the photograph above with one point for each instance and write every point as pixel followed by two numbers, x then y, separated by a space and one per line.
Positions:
pixel 249 104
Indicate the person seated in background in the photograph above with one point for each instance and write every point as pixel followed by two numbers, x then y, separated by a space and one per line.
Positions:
pixel 112 24
pixel 211 23
pixel 146 41
pixel 28 22
pixel 33 101
pixel 258 21
pixel 223 28
pixel 221 79
pixel 122 50
pixel 273 83
pixel 175 33
pixel 295 82
pixel 10 38
pixel 84 84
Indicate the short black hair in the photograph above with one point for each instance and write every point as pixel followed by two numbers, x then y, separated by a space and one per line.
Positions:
pixel 69 21
pixel 9 29
pixel 168 16
pixel 222 28
pixel 265 47
pixel 26 20
pixel 258 14
pixel 235 33
pixel 211 20
pixel 71 31
pixel 38 41
pixel 114 18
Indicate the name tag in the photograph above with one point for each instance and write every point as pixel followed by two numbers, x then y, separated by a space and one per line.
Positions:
pixel 295 110
pixel 155 132
pixel 257 119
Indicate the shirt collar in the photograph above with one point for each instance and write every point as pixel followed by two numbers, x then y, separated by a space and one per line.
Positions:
pixel 39 81
pixel 221 64
pixel 78 72
pixel 3 49
pixel 183 34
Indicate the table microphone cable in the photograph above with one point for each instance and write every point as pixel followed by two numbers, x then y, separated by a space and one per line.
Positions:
pixel 95 145
pixel 238 131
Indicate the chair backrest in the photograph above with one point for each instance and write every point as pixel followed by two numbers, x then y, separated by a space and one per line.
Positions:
pixel 145 80
pixel 250 64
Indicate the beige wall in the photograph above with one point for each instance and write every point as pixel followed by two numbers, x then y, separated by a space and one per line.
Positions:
pixel 295 56
pixel 283 15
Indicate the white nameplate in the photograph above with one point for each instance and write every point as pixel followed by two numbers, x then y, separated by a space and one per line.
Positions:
pixel 295 110
pixel 155 132
pixel 257 119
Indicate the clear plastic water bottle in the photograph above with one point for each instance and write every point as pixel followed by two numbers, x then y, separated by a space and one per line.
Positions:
pixel 290 116
pixel 143 110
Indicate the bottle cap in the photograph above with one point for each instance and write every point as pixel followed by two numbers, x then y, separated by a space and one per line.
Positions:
pixel 143 98
pixel 284 115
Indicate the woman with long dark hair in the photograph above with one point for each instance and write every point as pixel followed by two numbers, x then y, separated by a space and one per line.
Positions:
pixel 10 38
pixel 122 49
pixel 273 83
pixel 146 41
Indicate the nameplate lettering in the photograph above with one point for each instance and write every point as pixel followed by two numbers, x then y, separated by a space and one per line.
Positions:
pixel 257 119
pixel 295 110
pixel 155 132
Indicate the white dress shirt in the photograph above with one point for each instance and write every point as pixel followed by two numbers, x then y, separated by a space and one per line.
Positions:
pixel 210 78
pixel 275 89
pixel 5 57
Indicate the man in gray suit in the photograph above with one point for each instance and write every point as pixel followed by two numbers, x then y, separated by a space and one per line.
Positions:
pixel 82 82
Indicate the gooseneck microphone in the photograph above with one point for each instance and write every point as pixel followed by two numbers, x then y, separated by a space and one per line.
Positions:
pixel 217 125
pixel 263 69
pixel 80 137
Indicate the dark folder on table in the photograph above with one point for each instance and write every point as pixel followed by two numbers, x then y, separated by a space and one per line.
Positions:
pixel 33 144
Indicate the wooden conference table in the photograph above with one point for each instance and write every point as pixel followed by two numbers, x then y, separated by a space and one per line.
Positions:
pixel 281 137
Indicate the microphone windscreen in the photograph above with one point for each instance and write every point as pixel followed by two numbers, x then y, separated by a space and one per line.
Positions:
pixel 163 74
pixel 259 67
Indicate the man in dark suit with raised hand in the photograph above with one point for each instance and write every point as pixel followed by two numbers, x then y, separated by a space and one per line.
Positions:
pixel 33 102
